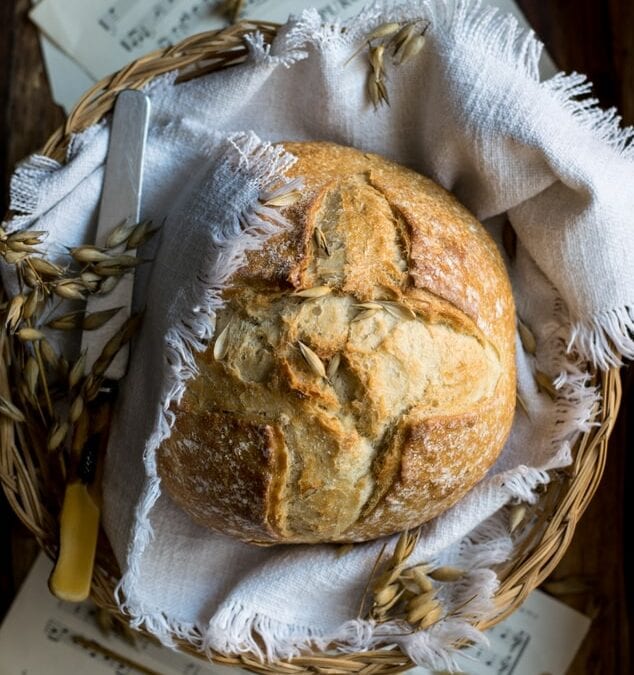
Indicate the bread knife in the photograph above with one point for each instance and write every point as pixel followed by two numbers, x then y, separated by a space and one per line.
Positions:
pixel 120 202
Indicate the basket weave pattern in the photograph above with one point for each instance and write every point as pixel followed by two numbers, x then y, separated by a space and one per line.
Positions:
pixel 552 520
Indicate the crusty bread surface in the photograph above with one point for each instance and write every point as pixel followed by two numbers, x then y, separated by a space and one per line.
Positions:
pixel 268 450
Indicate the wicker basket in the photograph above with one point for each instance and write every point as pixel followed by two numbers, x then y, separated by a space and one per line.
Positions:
pixel 37 503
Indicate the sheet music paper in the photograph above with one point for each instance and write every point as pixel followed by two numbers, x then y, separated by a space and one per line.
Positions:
pixel 84 41
pixel 44 636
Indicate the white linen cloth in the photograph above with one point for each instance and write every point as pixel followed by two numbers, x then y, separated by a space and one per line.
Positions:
pixel 468 111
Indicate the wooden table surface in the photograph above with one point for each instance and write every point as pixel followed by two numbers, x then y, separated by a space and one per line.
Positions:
pixel 591 36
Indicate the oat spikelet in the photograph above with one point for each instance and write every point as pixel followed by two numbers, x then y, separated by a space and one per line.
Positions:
pixel 398 310
pixel 57 436
pixel 31 237
pixel 446 573
pixel 315 363
pixel 522 404
pixel 376 61
pixel 115 343
pixel 373 91
pixel 91 386
pixel 362 316
pixel 314 292
pixel 45 268
pixel 31 304
pixel 320 240
pixel 21 247
pixel 221 345
pixel 77 371
pixel 70 321
pixel 48 354
pixel 422 610
pixel 421 599
pixel 29 334
pixel 382 31
pixel 7 409
pixel 118 261
pixel 76 409
pixel 526 337
pixel 411 48
pixel 96 320
pixel 108 285
pixel 70 290
pixel 31 374
pixel 333 366
pixel 13 257
pixel 388 577
pixel 419 575
pixel 380 609
pixel 120 233
pixel 407 33
pixel 405 546
pixel 383 92
pixel 88 254
pixel 140 234
pixel 287 199
pixel 89 278
pixel 385 595
pixel 516 516
pixel 369 305
pixel 14 314
pixel 431 618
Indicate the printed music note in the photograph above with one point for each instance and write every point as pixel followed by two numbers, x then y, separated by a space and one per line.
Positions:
pixel 114 15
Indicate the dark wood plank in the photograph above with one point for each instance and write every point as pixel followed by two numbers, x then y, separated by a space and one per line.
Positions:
pixel 596 557
pixel 28 117
pixel 6 62
pixel 32 115
pixel 597 38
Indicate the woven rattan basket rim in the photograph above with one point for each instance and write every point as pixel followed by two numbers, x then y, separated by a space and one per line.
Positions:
pixel 555 515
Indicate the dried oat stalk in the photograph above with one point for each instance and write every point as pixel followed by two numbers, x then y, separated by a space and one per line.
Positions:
pixel 409 594
pixel 399 41
pixel 44 384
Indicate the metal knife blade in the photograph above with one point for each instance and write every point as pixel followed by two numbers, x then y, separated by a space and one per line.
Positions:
pixel 71 577
pixel 120 201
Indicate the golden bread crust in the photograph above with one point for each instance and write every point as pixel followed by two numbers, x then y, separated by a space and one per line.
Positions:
pixel 266 449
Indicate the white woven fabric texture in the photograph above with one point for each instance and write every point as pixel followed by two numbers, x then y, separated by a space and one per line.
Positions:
pixel 468 111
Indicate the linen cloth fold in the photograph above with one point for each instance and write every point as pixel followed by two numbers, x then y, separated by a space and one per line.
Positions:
pixel 468 111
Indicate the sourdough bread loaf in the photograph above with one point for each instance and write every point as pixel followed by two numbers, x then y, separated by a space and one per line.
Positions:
pixel 372 407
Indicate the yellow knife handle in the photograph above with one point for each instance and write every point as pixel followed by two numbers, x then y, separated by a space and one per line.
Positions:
pixel 79 520
pixel 79 527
